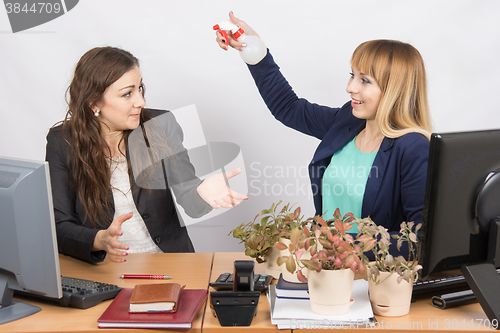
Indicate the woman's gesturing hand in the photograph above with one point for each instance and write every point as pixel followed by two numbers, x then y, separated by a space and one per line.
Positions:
pixel 107 240
pixel 217 194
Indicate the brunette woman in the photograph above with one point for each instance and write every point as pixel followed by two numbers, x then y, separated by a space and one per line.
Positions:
pixel 114 165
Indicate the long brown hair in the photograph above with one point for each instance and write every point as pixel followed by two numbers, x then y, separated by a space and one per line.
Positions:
pixel 96 70
pixel 399 71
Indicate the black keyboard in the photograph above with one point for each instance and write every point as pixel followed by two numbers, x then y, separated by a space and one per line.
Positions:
pixel 83 294
pixel 439 284
pixel 225 282
pixel 80 293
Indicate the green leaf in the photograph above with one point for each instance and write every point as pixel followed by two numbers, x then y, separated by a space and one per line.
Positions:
pixel 309 264
pixel 264 220
pixel 282 260
pixel 290 264
pixel 295 236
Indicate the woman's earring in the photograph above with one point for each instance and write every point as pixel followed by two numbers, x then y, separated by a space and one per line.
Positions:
pixel 96 113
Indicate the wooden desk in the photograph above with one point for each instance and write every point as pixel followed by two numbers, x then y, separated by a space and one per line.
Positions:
pixel 223 263
pixel 196 270
pixel 191 269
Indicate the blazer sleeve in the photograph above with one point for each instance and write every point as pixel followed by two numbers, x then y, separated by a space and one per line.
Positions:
pixel 297 113
pixel 181 173
pixel 169 155
pixel 73 237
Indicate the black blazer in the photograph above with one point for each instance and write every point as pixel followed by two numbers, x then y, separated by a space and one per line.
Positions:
pixel 75 234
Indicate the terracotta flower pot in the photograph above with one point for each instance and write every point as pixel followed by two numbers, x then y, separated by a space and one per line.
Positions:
pixel 330 291
pixel 390 298
pixel 287 276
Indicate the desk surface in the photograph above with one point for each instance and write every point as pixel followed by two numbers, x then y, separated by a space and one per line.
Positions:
pixel 195 270
pixel 191 269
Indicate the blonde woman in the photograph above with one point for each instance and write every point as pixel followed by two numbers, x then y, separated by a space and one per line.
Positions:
pixel 372 158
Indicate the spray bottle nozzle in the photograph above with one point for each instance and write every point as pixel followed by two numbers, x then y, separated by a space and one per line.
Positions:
pixel 228 26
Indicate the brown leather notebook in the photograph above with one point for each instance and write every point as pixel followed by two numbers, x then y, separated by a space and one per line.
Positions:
pixel 162 297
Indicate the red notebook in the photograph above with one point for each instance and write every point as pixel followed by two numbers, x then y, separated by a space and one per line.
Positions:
pixel 117 314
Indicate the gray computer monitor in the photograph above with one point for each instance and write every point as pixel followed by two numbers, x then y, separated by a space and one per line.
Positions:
pixel 29 259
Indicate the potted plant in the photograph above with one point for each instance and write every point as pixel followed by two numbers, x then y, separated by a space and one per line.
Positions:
pixel 267 228
pixel 391 278
pixel 335 255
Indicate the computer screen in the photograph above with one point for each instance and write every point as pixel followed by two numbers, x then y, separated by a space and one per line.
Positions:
pixel 459 164
pixel 29 259
pixel 461 217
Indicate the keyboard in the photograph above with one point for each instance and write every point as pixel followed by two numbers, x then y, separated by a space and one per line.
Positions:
pixel 83 294
pixel 80 293
pixel 439 284
pixel 225 282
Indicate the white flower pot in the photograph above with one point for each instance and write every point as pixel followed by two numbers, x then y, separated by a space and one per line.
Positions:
pixel 330 291
pixel 287 276
pixel 390 298
pixel 271 264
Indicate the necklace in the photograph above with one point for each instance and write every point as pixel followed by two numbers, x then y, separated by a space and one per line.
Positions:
pixel 377 145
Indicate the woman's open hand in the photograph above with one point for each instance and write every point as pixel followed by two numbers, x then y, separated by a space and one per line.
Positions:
pixel 107 240
pixel 217 194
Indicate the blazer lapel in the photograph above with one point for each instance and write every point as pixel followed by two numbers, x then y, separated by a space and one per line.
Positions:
pixel 337 138
pixel 373 185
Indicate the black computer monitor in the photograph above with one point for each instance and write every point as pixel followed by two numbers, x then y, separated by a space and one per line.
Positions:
pixel 462 211
pixel 29 260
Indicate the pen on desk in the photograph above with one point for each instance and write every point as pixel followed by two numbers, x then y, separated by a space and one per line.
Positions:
pixel 151 277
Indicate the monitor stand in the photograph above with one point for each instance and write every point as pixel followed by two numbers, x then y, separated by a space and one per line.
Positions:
pixel 484 279
pixel 10 309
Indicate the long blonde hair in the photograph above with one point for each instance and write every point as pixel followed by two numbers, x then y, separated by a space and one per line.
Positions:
pixel 399 71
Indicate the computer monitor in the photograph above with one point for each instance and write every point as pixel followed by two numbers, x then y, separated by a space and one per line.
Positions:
pixel 462 211
pixel 29 259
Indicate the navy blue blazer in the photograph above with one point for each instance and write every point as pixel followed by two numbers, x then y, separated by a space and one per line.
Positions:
pixel 395 189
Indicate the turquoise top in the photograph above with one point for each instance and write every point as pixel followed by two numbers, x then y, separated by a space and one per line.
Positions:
pixel 344 181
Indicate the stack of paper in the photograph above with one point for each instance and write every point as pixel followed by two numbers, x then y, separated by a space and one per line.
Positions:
pixel 289 313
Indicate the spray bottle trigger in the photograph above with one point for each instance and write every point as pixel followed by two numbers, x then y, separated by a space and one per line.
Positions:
pixel 226 37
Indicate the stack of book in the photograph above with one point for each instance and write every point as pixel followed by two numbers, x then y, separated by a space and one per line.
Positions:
pixel 154 306
pixel 295 312
pixel 286 289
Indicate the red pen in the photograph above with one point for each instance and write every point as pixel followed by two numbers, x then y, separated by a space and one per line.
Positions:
pixel 151 277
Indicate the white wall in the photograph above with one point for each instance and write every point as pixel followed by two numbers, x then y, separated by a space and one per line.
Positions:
pixel 181 65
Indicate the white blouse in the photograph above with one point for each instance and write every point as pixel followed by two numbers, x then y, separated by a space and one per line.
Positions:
pixel 135 232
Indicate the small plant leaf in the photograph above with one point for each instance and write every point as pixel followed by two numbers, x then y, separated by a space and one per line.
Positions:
pixel 280 246
pixel 282 260
pixel 296 213
pixel 290 264
pixel 301 277
pixel 295 236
